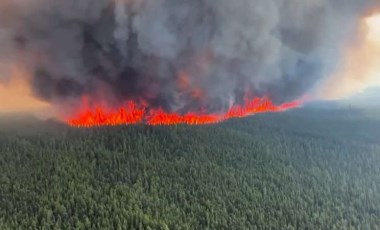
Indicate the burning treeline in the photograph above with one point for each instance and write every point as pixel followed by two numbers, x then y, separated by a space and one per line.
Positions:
pixel 104 62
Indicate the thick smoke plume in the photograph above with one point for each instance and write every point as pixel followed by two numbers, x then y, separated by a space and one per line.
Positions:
pixel 178 55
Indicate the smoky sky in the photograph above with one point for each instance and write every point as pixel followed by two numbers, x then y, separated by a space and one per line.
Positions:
pixel 175 54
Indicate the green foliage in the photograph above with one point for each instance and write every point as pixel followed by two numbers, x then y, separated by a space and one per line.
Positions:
pixel 298 170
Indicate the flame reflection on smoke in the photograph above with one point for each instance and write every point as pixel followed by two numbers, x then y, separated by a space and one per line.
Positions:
pixel 16 96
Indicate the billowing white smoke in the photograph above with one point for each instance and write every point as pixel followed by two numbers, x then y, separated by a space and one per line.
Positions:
pixel 142 49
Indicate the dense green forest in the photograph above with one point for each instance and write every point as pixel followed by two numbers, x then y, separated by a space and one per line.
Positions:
pixel 303 169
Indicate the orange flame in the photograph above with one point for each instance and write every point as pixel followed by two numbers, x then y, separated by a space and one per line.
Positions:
pixel 132 113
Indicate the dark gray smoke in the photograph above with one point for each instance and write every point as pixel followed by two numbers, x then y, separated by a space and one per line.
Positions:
pixel 175 54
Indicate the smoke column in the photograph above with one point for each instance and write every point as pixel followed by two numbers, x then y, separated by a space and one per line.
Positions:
pixel 176 56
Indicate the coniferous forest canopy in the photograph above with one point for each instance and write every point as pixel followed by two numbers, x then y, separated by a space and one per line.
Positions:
pixel 303 169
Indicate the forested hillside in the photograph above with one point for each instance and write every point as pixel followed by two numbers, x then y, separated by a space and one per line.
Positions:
pixel 304 169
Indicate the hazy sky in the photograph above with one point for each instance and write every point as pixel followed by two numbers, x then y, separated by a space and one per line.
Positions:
pixel 360 66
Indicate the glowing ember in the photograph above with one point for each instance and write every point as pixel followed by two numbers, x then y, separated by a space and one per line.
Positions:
pixel 132 113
